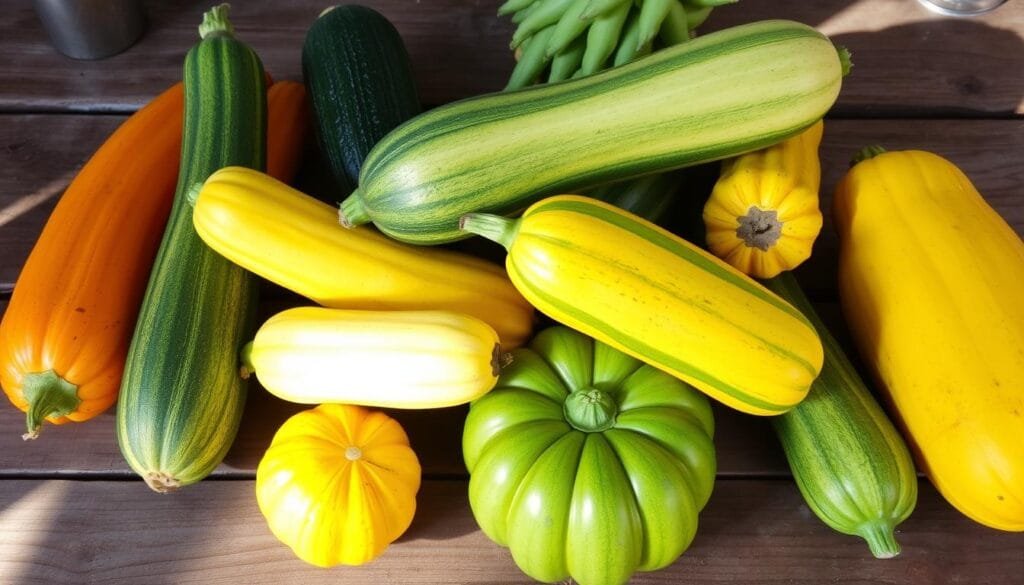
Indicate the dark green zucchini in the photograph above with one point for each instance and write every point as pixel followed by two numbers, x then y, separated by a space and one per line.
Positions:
pixel 851 465
pixel 360 84
pixel 181 396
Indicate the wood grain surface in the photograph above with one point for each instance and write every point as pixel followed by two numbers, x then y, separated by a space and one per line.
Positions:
pixel 752 531
pixel 909 62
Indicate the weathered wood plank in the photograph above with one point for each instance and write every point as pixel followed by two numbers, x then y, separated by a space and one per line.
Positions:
pixel 909 61
pixel 57 532
pixel 39 155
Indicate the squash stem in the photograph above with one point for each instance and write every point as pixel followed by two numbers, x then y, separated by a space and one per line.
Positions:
pixel 160 482
pixel 881 539
pixel 352 212
pixel 845 60
pixel 216 23
pixel 590 410
pixel 47 395
pixel 493 227
pixel 866 153
pixel 245 356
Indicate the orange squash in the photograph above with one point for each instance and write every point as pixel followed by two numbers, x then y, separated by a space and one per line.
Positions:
pixel 288 124
pixel 65 334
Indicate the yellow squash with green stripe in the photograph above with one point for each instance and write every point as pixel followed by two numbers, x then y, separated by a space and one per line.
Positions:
pixel 652 295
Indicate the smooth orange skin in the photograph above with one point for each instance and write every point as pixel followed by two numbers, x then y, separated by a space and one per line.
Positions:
pixel 75 302
pixel 288 124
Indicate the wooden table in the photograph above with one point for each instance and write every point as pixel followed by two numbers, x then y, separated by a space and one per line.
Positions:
pixel 72 512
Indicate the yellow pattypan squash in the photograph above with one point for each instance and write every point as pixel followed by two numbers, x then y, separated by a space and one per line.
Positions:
pixel 762 216
pixel 338 484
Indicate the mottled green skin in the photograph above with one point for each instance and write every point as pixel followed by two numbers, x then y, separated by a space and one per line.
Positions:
pixel 593 506
pixel 851 465
pixel 181 396
pixel 677 107
pixel 360 84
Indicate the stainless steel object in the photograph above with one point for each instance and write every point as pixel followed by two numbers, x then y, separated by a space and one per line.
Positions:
pixel 91 29
pixel 962 7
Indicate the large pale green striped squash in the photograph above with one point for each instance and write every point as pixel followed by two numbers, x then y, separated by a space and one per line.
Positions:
pixel 718 96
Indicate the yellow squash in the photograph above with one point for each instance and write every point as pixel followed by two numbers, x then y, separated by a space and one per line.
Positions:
pixel 638 288
pixel 932 286
pixel 395 359
pixel 338 484
pixel 295 241
pixel 762 216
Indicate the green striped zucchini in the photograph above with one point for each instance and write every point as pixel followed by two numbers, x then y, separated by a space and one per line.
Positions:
pixel 652 295
pixel 360 84
pixel 850 463
pixel 182 396
pixel 720 95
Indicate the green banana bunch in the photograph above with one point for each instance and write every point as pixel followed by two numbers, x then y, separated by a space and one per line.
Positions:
pixel 550 43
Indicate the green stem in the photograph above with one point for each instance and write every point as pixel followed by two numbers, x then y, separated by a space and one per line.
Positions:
pixel 493 227
pixel 245 356
pixel 881 539
pixel 590 410
pixel 216 23
pixel 866 153
pixel 47 395
pixel 352 212
pixel 845 60
pixel 193 193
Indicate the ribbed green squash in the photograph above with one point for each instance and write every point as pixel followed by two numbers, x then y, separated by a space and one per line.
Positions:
pixel 360 85
pixel 850 463
pixel 587 463
pixel 680 106
pixel 181 396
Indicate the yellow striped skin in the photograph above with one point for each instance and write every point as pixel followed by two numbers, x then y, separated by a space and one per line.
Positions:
pixel 652 295
pixel 932 285
pixel 338 484
pixel 783 181
pixel 294 241
pixel 394 359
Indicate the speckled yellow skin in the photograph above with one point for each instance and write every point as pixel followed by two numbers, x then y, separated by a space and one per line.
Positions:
pixel 783 179
pixel 338 484
pixel 932 285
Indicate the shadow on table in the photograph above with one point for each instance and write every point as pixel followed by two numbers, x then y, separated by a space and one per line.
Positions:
pixel 962 58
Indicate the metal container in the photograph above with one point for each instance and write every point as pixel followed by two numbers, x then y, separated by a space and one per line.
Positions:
pixel 962 7
pixel 91 29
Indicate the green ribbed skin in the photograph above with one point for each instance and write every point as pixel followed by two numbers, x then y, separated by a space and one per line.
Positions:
pixel 588 464
pixel 360 84
pixel 850 463
pixel 720 95
pixel 181 396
